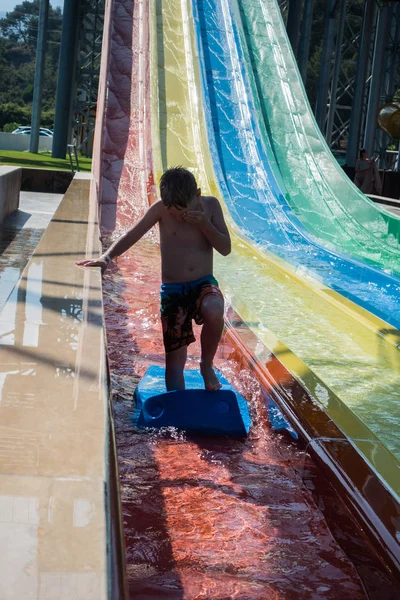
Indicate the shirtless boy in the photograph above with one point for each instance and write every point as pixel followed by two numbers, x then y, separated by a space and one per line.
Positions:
pixel 191 226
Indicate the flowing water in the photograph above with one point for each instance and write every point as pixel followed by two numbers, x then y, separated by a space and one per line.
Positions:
pixel 203 518
pixel 208 518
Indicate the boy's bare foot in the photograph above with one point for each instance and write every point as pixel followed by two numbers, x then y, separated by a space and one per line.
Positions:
pixel 211 381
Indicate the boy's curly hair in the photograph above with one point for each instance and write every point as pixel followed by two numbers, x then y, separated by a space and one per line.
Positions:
pixel 177 187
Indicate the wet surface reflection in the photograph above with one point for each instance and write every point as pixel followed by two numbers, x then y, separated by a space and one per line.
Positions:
pixel 16 247
pixel 44 524
pixel 208 518
pixel 53 399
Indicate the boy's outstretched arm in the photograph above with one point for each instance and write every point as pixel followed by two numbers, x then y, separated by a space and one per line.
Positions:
pixel 133 235
pixel 215 230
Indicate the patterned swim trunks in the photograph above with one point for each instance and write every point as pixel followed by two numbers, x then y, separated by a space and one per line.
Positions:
pixel 180 303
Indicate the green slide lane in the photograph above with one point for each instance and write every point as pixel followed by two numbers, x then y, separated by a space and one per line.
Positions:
pixel 317 189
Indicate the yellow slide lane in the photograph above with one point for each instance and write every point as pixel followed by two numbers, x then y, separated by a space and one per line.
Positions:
pixel 324 339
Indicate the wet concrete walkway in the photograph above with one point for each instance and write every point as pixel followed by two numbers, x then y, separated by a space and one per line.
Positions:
pixel 20 234
pixel 53 404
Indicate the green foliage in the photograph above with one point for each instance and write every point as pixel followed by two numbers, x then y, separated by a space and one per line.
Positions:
pixel 18 36
pixel 10 127
pixel 13 112
pixel 27 94
pixel 17 113
pixel 21 24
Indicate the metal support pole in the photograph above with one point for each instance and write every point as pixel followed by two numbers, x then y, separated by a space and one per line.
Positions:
pixel 293 23
pixel 359 85
pixel 336 71
pixel 66 77
pixel 376 79
pixel 396 55
pixel 39 73
pixel 389 79
pixel 326 62
pixel 304 46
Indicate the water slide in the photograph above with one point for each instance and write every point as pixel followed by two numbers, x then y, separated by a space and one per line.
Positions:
pixel 249 175
pixel 317 188
pixel 344 355
pixel 256 196
pixel 346 348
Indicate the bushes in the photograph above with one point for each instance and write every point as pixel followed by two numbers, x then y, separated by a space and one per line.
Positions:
pixel 9 127
pixel 27 94
pixel 15 113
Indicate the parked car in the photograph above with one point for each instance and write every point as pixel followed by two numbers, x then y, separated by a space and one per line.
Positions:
pixel 26 130
pixel 20 129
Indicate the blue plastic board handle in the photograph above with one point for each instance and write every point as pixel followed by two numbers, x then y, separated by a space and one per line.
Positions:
pixel 195 409
pixel 278 420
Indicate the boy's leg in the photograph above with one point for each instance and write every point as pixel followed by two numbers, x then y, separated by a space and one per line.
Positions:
pixel 174 365
pixel 212 311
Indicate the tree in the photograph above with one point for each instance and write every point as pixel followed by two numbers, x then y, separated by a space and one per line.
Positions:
pixel 21 24
pixel 18 37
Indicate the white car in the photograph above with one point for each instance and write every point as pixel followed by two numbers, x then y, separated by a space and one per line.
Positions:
pixel 26 130
pixel 20 130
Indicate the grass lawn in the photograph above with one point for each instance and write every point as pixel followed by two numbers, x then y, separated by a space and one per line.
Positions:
pixel 41 161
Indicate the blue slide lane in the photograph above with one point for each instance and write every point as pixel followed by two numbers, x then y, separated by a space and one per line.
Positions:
pixel 241 160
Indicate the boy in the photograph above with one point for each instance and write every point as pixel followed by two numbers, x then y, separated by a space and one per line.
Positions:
pixel 191 226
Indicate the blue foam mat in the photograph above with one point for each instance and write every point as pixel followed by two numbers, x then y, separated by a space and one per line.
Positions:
pixel 194 409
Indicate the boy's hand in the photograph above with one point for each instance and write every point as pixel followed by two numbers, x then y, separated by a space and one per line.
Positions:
pixel 197 217
pixel 94 262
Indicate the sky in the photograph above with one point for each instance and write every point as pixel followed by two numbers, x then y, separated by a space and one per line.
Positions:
pixel 8 5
